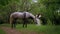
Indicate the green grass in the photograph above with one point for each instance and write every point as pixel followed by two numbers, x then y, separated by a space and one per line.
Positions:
pixel 1 31
pixel 46 29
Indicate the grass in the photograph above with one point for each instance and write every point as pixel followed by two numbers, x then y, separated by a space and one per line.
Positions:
pixel 1 31
pixel 46 29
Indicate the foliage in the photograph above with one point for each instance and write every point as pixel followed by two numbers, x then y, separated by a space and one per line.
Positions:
pixel 48 8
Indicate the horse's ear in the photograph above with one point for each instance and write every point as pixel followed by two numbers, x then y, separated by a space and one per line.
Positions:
pixel 38 15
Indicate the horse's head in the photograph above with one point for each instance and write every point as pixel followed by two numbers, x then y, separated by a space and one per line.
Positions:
pixel 37 19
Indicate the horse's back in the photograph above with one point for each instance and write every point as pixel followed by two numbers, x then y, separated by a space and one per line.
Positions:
pixel 20 14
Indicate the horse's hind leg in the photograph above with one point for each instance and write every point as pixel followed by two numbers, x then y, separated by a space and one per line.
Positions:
pixel 14 23
pixel 11 25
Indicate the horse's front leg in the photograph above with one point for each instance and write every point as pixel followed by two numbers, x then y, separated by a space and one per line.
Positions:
pixel 24 22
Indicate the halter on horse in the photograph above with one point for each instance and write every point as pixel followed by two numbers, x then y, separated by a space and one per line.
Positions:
pixel 24 15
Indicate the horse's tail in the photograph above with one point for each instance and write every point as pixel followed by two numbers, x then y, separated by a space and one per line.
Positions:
pixel 11 19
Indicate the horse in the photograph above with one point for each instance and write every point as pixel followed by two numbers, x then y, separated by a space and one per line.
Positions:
pixel 23 15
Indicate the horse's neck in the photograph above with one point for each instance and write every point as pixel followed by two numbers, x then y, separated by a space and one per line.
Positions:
pixel 32 16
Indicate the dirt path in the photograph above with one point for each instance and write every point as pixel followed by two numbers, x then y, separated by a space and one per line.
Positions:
pixel 11 31
pixel 14 31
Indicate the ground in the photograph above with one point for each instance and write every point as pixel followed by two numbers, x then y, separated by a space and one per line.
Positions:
pixel 31 29
pixel 8 30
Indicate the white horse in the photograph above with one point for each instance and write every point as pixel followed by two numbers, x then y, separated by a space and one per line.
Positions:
pixel 24 16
